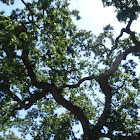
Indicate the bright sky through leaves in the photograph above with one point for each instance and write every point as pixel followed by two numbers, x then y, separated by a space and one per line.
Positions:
pixel 94 16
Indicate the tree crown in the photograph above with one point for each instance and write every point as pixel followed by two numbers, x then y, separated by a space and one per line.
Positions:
pixel 46 63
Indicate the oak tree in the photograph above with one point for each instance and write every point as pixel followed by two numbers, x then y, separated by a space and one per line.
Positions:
pixel 53 75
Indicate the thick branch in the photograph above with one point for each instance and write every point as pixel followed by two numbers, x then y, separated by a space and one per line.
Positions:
pixel 41 85
pixel 106 113
pixel 121 57
pixel 107 90
pixel 31 73
pixel 21 103
pixel 77 111
pixel 28 102
pixel 114 66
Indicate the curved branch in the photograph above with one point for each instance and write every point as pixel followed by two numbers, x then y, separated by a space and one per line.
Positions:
pixel 103 81
pixel 31 12
pixel 101 45
pixel 107 90
pixel 116 42
pixel 121 57
pixel 28 102
pixel 133 37
pixel 129 23
pixel 77 111
pixel 114 66
pixel 120 35
pixel 106 113
pixel 27 63
pixel 80 81
pixel 24 56
pixel 32 75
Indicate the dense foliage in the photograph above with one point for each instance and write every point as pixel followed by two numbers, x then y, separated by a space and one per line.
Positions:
pixel 53 76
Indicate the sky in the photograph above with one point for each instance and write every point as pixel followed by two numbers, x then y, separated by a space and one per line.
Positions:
pixel 94 16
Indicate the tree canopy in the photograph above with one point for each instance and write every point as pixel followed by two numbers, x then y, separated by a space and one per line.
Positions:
pixel 57 73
